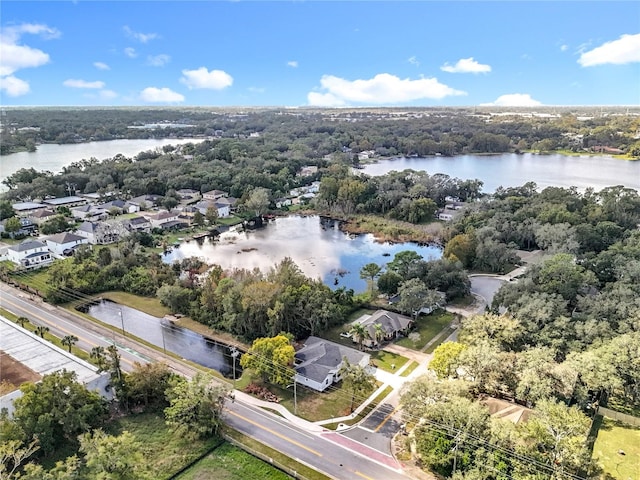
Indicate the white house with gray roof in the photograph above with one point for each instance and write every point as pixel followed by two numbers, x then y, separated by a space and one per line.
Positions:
pixel 392 325
pixel 30 254
pixel 318 363
pixel 63 244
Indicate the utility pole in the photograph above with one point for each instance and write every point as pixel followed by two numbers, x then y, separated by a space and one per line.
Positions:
pixel 234 355
pixel 121 320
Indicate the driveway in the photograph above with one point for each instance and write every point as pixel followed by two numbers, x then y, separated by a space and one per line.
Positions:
pixel 485 287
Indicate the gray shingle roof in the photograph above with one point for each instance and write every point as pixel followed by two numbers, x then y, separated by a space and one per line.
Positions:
pixel 319 357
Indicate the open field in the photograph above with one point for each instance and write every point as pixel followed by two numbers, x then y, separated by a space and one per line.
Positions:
pixel 228 462
pixel 165 452
pixel 613 438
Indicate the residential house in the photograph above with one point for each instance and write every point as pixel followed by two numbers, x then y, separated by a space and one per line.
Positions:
pixel 121 206
pixel 30 254
pixel 391 325
pixel 69 202
pixel 447 217
pixel 27 227
pixel 318 363
pixel 165 220
pixel 101 233
pixel 214 195
pixel 25 209
pixel 91 213
pixel 188 195
pixel 283 202
pixel 144 202
pixel 223 208
pixel 40 216
pixel 64 244
pixel 138 224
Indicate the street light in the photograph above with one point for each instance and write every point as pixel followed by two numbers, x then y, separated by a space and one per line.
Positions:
pixel 234 355
pixel 121 320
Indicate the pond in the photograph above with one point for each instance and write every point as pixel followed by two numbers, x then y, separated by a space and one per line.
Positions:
pixel 315 244
pixel 163 333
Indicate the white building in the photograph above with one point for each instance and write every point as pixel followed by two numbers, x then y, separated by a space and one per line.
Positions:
pixel 318 363
pixel 63 244
pixel 30 254
pixel 42 358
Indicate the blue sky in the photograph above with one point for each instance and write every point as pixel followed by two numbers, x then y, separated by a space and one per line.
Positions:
pixel 319 53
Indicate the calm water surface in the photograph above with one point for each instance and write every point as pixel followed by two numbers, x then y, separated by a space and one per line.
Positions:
pixel 511 170
pixel 318 247
pixel 53 157
pixel 160 332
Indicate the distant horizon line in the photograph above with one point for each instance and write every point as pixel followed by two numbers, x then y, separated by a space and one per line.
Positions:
pixel 312 107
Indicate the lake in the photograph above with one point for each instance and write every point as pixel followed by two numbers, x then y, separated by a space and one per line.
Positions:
pixel 512 170
pixel 316 245
pixel 52 157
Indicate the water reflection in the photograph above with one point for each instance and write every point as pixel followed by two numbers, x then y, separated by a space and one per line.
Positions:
pixel 317 246
pixel 511 170
pixel 162 333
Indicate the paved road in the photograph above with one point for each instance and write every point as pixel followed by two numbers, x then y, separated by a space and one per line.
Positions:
pixel 329 452
pixel 38 313
pixel 486 287
pixel 354 460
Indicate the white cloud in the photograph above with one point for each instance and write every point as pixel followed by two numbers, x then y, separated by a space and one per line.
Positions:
pixel 514 100
pixel 160 95
pixel 141 37
pixel 14 87
pixel 107 94
pixel 158 60
pixel 413 61
pixel 130 52
pixel 101 66
pixel 626 49
pixel 77 83
pixel 257 89
pixel 13 33
pixel 384 88
pixel 564 48
pixel 466 65
pixel 292 64
pixel 16 56
pixel 202 78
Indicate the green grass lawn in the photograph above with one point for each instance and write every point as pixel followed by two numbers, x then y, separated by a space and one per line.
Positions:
pixel 387 361
pixel 428 326
pixel 614 436
pixel 228 462
pixel 312 405
pixel 407 371
pixel 304 471
pixel 165 452
pixel 149 305
pixel 333 334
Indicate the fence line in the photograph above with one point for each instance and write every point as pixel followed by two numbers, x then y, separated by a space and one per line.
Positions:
pixel 622 417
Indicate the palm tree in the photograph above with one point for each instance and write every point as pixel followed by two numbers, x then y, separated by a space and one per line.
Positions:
pixel 22 320
pixel 69 341
pixel 369 272
pixel 378 333
pixel 41 330
pixel 359 333
pixel 99 355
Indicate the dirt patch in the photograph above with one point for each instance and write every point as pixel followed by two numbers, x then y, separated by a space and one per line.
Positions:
pixel 15 373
